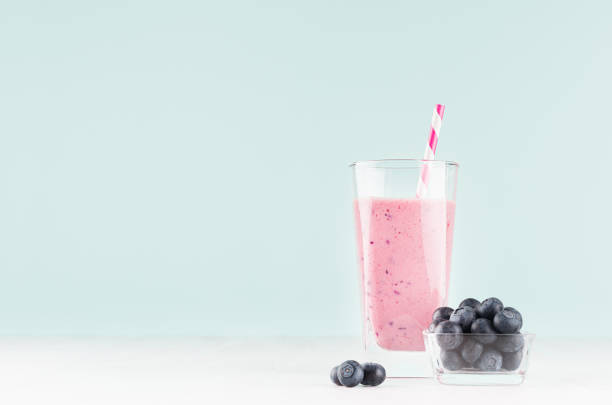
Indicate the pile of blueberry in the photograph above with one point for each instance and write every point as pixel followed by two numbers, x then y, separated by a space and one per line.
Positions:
pixel 494 341
pixel 351 373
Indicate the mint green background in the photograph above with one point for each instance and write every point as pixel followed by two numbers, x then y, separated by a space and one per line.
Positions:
pixel 181 167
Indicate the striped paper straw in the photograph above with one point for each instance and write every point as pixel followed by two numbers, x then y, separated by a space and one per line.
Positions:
pixel 430 150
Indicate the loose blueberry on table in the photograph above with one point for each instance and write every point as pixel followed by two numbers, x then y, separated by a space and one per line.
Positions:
pixel 485 336
pixel 351 373
pixel 374 374
pixel 333 375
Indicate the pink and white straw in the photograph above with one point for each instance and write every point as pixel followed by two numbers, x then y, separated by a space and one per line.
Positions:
pixel 430 150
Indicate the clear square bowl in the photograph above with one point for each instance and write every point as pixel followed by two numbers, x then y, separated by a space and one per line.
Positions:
pixel 450 367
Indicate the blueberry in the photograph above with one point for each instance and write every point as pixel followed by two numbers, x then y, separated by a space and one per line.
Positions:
pixel 433 325
pixel 471 350
pixel 442 314
pixel 463 316
pixel 507 321
pixel 470 302
pixel 451 360
pixel 512 361
pixel 510 343
pixel 517 313
pixel 483 331
pixel 350 373
pixel 489 307
pixel 490 360
pixel 374 374
pixel 333 375
pixel 449 335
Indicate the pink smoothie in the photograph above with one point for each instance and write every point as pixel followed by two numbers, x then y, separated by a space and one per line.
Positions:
pixel 405 252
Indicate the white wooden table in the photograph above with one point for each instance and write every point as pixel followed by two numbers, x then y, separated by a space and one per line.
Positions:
pixel 177 371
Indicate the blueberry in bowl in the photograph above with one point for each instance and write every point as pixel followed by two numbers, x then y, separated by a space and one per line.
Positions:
pixel 512 360
pixel 509 320
pixel 463 316
pixel 483 331
pixel 449 335
pixel 490 360
pixel 489 307
pixel 479 343
pixel 433 324
pixel 451 360
pixel 471 350
pixel 470 302
pixel 441 314
pixel 510 343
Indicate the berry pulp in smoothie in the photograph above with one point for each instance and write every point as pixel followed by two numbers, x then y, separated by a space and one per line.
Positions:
pixel 405 250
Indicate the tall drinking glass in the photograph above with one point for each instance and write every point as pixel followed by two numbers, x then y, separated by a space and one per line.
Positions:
pixel 404 246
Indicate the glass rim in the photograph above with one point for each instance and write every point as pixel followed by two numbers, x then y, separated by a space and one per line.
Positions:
pixel 372 163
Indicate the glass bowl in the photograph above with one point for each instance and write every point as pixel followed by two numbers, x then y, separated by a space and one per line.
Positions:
pixel 479 359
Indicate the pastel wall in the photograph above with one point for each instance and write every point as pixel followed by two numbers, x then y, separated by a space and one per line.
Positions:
pixel 182 167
